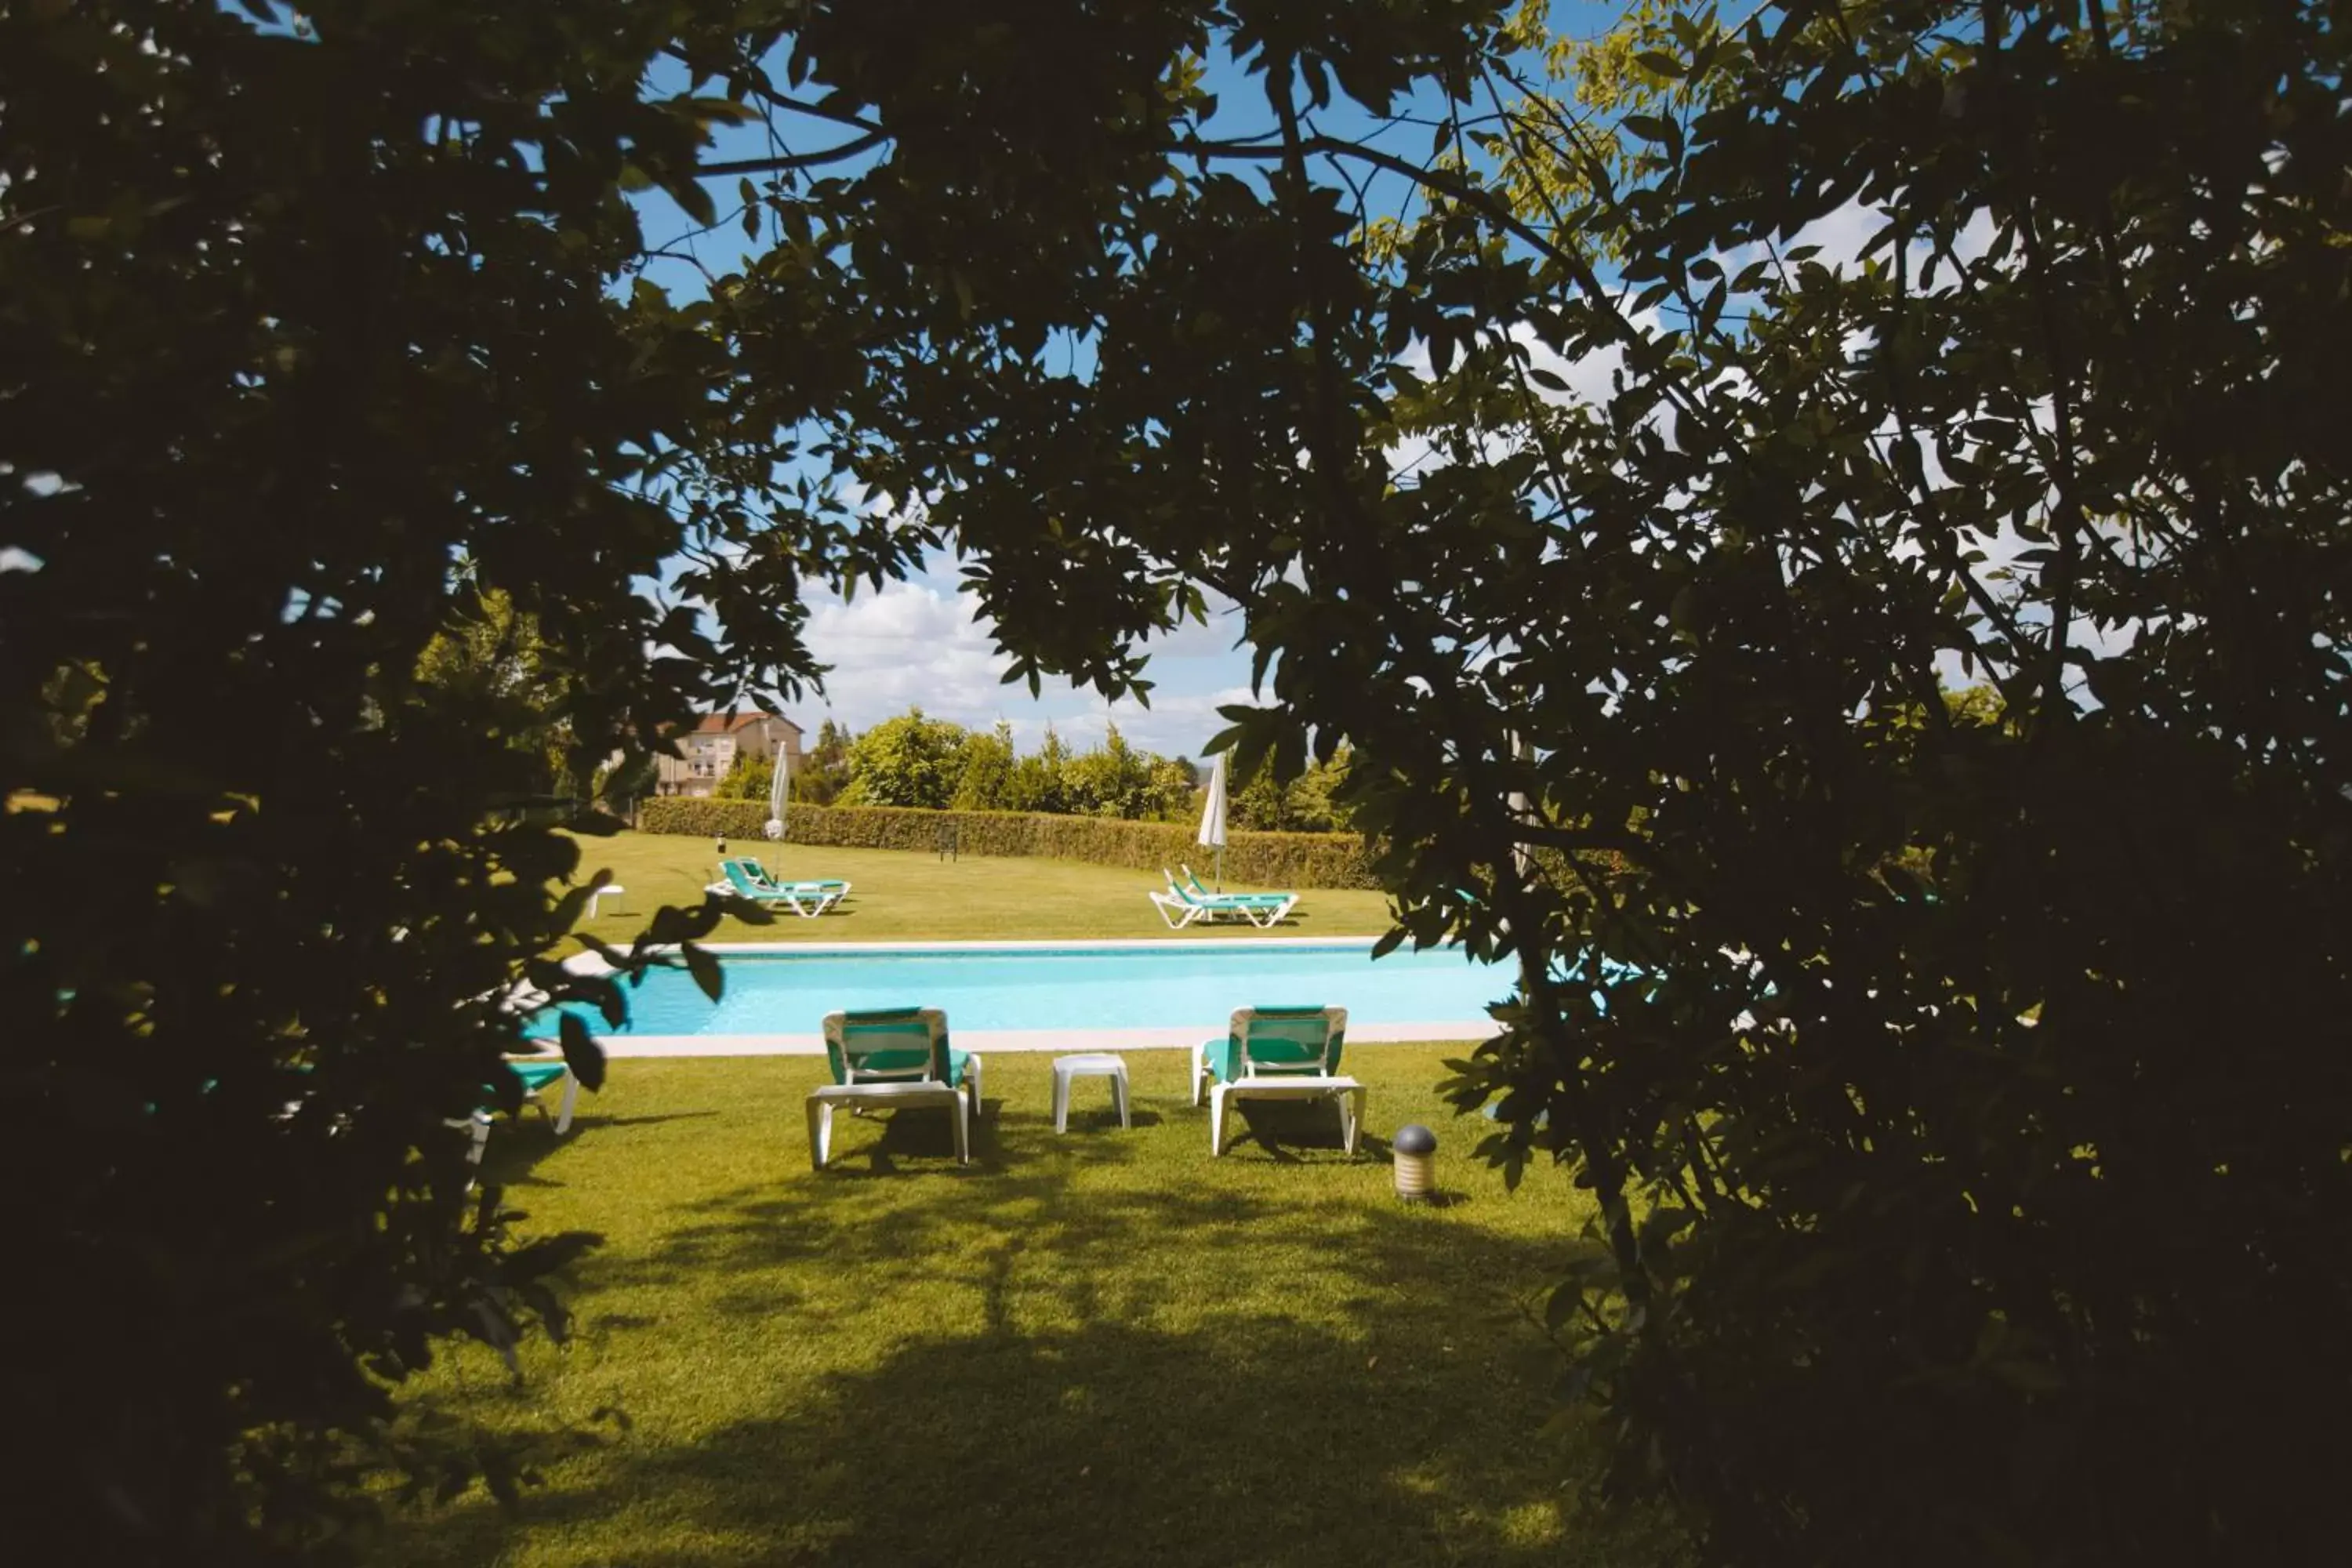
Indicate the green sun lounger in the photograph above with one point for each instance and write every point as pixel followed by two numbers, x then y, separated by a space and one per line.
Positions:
pixel 759 874
pixel 1186 901
pixel 895 1056
pixel 1191 885
pixel 746 879
pixel 1278 1053
pixel 535 1076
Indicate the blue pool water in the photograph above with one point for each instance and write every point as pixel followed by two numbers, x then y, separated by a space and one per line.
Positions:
pixel 1064 988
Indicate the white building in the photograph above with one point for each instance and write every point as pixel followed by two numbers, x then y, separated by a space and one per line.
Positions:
pixel 706 751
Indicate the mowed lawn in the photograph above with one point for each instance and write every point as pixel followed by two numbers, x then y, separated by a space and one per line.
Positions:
pixel 1102 1348
pixel 907 896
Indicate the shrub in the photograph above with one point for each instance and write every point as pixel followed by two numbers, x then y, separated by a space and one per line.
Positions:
pixel 711 817
pixel 1281 860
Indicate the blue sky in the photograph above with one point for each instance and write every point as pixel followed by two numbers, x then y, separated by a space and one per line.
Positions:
pixel 918 641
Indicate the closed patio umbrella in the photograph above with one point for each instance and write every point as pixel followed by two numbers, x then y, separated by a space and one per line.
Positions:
pixel 1522 811
pixel 1213 817
pixel 777 787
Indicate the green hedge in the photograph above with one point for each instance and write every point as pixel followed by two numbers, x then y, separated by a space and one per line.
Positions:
pixel 1261 859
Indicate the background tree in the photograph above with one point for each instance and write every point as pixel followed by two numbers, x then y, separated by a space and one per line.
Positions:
pixel 748 778
pixel 624 780
pixel 492 660
pixel 1112 779
pixel 906 760
pixel 1309 803
pixel 1037 778
pixel 823 771
pixel 984 769
pixel 1171 792
pixel 912 758
pixel 1260 803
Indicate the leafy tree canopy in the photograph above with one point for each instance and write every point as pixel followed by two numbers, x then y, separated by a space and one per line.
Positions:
pixel 914 761
pixel 824 772
pixel 1307 804
pixel 984 769
pixel 907 761
pixel 492 660
pixel 1630 539
pixel 1553 473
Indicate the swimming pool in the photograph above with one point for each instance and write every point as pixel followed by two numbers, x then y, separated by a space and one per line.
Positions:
pixel 1049 995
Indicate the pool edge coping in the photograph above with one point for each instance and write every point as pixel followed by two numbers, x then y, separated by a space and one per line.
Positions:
pixel 594 964
pixel 1155 1038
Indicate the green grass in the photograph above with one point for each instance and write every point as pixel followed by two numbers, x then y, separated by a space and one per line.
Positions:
pixel 1100 1349
pixel 903 895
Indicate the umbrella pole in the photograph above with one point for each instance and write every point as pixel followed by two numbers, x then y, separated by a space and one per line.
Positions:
pixel 1220 868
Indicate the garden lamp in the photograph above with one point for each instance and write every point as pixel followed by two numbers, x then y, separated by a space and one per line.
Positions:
pixel 1415 1148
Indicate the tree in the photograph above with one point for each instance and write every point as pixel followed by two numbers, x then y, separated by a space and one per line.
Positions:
pixel 492 659
pixel 1933 1218
pixel 1307 804
pixel 1315 802
pixel 984 770
pixel 1037 778
pixel 748 778
pixel 823 773
pixel 621 782
pixel 1110 780
pixel 1260 803
pixel 1169 792
pixel 907 761
pixel 1931 1226
pixel 300 315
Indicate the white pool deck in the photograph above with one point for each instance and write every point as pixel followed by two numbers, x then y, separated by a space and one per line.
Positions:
pixel 1166 1037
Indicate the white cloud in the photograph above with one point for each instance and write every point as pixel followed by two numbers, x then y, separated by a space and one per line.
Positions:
pixel 906 646
pixel 1176 724
pixel 1843 233
pixel 915 644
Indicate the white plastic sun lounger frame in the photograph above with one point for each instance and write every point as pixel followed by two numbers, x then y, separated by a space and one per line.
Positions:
pixel 1281 904
pixel 1178 912
pixel 1258 912
pixel 1277 1084
pixel 905 1088
pixel 806 900
pixel 1288 1086
pixel 894 1093
pixel 820 896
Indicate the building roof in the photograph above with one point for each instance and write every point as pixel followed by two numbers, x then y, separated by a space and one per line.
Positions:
pixel 729 724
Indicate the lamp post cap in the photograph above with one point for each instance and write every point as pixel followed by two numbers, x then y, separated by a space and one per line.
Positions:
pixel 1414 1139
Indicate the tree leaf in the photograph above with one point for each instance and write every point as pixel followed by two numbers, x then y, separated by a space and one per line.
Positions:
pixel 582 1054
pixel 703 964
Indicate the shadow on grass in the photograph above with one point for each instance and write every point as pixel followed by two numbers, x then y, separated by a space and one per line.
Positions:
pixel 1289 1130
pixel 517 1143
pixel 1098 1349
pixel 1104 1440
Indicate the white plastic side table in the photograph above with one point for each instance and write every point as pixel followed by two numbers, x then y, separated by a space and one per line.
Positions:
pixel 609 890
pixel 1090 1064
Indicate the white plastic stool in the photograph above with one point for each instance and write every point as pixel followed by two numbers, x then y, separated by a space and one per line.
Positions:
pixel 610 890
pixel 1091 1064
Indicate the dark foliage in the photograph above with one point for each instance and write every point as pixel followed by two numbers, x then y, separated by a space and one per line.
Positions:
pixel 1964 1097
pixel 1959 1087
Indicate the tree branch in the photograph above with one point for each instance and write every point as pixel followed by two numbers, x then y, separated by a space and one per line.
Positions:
pixel 756 81
pixel 781 161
